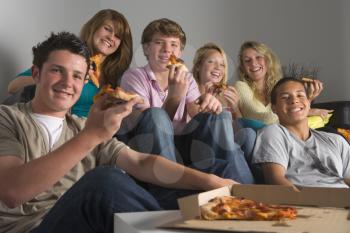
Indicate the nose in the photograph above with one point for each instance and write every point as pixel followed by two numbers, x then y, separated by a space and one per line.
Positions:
pixel 167 47
pixel 67 79
pixel 217 65
pixel 293 99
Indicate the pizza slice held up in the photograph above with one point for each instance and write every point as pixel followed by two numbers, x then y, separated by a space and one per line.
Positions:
pixel 173 60
pixel 116 95
pixel 233 208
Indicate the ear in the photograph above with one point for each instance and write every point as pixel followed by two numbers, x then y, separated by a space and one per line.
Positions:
pixel 273 108
pixel 145 49
pixel 35 73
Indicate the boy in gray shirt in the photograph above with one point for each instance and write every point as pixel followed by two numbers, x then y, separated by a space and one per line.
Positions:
pixel 290 153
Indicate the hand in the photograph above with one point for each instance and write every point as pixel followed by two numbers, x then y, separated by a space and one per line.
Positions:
pixel 177 82
pixel 314 89
pixel 104 123
pixel 232 98
pixel 218 182
pixel 208 103
pixel 320 112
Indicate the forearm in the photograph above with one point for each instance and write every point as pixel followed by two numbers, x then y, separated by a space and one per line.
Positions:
pixel 163 172
pixel 24 182
pixel 19 83
pixel 170 106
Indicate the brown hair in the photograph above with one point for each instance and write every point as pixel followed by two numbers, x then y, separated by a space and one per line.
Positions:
pixel 117 63
pixel 165 27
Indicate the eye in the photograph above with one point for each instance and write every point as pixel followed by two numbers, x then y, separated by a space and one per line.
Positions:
pixel 247 60
pixel 56 70
pixel 157 42
pixel 222 64
pixel 174 45
pixel 284 97
pixel 78 77
pixel 108 28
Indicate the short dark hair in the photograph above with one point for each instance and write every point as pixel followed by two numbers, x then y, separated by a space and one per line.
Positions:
pixel 280 83
pixel 60 41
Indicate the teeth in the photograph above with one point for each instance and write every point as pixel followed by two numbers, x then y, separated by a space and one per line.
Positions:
pixel 295 110
pixel 256 69
pixel 215 74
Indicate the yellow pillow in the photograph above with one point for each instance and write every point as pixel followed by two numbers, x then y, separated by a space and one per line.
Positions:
pixel 317 121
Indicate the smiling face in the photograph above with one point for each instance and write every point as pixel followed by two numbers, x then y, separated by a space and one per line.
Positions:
pixel 105 39
pixel 59 83
pixel 291 104
pixel 159 49
pixel 254 65
pixel 212 68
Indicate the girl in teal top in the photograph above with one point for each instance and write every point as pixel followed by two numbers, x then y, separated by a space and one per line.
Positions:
pixel 108 36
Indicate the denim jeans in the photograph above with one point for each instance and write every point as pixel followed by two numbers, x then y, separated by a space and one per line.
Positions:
pixel 89 205
pixel 205 143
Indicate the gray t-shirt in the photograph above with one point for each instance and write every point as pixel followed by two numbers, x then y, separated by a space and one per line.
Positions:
pixel 321 160
pixel 23 137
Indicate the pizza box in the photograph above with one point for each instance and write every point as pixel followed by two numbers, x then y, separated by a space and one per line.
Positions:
pixel 319 209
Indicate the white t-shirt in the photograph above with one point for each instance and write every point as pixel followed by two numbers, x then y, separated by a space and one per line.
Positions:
pixel 52 127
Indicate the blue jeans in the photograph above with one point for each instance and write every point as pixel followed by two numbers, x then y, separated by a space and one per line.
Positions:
pixel 89 205
pixel 205 143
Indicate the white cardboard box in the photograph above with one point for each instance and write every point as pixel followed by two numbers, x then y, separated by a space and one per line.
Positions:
pixel 319 210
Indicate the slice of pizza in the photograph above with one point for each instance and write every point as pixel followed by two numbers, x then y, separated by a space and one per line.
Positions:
pixel 173 60
pixel 116 95
pixel 95 69
pixel 234 208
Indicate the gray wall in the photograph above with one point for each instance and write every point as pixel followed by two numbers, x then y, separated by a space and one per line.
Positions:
pixel 313 32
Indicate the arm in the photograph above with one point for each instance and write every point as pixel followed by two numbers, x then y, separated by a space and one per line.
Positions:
pixel 19 83
pixel 232 98
pixel 275 174
pixel 20 182
pixel 178 84
pixel 160 171
pixel 319 112
pixel 205 103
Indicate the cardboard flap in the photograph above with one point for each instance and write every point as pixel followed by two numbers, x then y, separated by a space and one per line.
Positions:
pixel 324 197
pixel 308 196
pixel 277 194
pixel 189 206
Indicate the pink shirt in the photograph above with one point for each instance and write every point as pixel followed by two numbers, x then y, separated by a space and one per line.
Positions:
pixel 142 81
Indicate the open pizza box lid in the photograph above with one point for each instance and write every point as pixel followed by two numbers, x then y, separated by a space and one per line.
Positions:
pixel 319 209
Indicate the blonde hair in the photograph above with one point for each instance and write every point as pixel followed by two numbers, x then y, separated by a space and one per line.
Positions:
pixel 201 54
pixel 117 63
pixel 274 70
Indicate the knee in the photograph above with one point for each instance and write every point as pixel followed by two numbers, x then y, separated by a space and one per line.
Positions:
pixel 155 114
pixel 210 117
pixel 245 135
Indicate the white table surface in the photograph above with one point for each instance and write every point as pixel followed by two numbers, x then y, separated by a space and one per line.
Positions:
pixel 142 222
